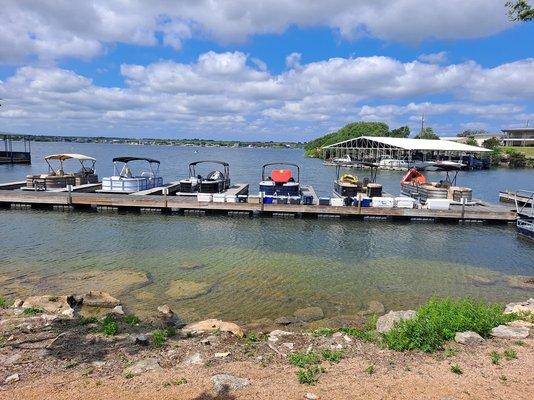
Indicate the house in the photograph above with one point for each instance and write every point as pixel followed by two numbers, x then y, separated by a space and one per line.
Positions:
pixel 518 137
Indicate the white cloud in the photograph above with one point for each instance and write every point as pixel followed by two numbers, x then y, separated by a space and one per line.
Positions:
pixel 231 92
pixel 49 29
pixel 434 58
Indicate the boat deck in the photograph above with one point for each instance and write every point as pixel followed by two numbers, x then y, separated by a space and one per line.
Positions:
pixel 234 190
pixel 97 201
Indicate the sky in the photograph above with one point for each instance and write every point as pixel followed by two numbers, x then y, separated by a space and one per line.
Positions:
pixel 261 70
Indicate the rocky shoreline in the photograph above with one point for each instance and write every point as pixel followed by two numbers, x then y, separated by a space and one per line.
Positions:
pixel 91 339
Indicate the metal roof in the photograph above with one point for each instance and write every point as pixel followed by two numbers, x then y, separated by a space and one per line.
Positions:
pixel 63 157
pixel 418 144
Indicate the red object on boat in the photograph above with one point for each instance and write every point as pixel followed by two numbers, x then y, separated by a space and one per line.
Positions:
pixel 413 176
pixel 281 175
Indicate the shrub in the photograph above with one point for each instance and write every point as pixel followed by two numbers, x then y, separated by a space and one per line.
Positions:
pixel 302 360
pixel 332 355
pixel 324 332
pixel 438 321
pixel 456 369
pixel 33 311
pixel 370 369
pixel 109 326
pixel 309 375
pixel 510 354
pixel 495 357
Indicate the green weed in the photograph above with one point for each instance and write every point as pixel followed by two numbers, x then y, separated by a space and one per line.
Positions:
pixel 251 337
pixel 495 357
pixel 367 336
pixel 451 352
pixel 324 332
pixel 519 343
pixel 169 331
pixel 128 375
pixel 33 311
pixel 109 326
pixel 370 369
pixel 309 375
pixel 131 320
pixel 175 382
pixel 332 356
pixel 159 338
pixel 510 354
pixel 438 321
pixel 53 299
pixel 88 320
pixel 3 303
pixel 302 360
pixel 456 369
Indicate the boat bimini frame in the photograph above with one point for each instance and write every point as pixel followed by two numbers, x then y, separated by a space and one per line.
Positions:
pixel 280 181
pixel 215 182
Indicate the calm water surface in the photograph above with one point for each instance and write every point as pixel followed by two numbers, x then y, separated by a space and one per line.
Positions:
pixel 254 268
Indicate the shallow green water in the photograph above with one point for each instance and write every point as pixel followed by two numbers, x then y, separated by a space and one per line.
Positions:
pixel 256 268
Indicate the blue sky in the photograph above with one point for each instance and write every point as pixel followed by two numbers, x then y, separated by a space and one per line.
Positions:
pixel 261 70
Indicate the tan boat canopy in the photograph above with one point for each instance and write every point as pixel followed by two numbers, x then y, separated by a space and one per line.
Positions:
pixel 63 157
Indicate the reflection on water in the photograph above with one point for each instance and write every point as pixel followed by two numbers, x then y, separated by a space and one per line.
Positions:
pixel 255 268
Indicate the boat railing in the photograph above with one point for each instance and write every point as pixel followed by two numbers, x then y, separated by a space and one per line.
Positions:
pixel 524 203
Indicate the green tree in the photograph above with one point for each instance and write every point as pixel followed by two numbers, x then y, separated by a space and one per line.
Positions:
pixel 471 141
pixel 402 132
pixel 350 131
pixel 495 157
pixel 427 133
pixel 520 10
pixel 471 132
pixel 491 143
pixel 516 159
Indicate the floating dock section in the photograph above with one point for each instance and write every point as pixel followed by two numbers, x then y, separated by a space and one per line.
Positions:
pixel 170 204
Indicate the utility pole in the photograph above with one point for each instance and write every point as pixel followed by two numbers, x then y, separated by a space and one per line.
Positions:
pixel 422 123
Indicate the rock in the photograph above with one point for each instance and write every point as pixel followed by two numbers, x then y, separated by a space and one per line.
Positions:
pixel 311 396
pixel 211 325
pixel 117 310
pixel 385 322
pixel 10 360
pixel 166 311
pixel 18 303
pixel 288 345
pixel 222 355
pixel 12 378
pixel 337 335
pixel 468 338
pixel 521 323
pixel 181 289
pixel 374 307
pixel 223 383
pixel 309 314
pixel 278 332
pixel 525 306
pixel 195 359
pixel 523 282
pixel 482 280
pixel 141 339
pixel 510 332
pixel 69 313
pixel 98 364
pixel 100 299
pixel 284 320
pixel 51 304
pixel 140 367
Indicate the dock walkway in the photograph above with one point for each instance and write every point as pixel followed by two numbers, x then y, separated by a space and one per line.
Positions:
pixel 73 200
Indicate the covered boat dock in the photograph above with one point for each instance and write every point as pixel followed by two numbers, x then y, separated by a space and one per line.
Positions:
pixel 373 149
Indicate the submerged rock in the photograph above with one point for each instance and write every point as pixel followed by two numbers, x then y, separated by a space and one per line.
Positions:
pixel 309 314
pixel 385 322
pixel 140 367
pixel 374 307
pixel 212 325
pixel 468 338
pixel 99 299
pixel 523 282
pixel 181 289
pixel 510 332
pixel 223 383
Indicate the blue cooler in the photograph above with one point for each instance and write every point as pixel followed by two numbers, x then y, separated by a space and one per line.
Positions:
pixel 268 200
pixel 366 202
pixel 307 199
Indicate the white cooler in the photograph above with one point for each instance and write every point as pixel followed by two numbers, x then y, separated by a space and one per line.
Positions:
pixel 438 204
pixel 231 198
pixel 337 202
pixel 219 197
pixel 404 202
pixel 205 197
pixel 383 202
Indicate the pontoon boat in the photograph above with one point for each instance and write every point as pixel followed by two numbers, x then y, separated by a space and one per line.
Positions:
pixel 214 182
pixel 280 182
pixel 348 185
pixel 125 181
pixel 57 178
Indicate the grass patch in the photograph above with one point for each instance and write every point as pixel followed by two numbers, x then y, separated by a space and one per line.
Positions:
pixel 332 356
pixel 451 352
pixel 88 320
pixel 109 326
pixel 3 303
pixel 527 151
pixel 309 375
pixel 158 338
pixel 438 321
pixel 370 369
pixel 33 311
pixel 455 369
pixel 362 334
pixel 519 343
pixel 495 357
pixel 251 337
pixel 128 375
pixel 510 354
pixel 324 332
pixel 131 320
pixel 175 382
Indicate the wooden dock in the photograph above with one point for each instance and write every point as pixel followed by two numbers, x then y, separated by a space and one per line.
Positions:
pixel 510 197
pixel 169 204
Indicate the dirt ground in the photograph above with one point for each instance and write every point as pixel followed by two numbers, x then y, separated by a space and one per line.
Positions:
pixel 83 365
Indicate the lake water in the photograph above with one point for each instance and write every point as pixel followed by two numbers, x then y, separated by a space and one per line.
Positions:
pixel 245 269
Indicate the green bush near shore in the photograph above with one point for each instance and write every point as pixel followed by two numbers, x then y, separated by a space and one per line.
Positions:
pixel 109 326
pixel 438 321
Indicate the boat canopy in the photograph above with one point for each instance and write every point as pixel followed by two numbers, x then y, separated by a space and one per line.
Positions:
pixel 210 161
pixel 226 173
pixel 63 157
pixel 128 159
pixel 280 175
